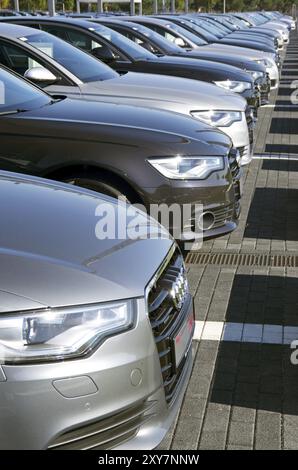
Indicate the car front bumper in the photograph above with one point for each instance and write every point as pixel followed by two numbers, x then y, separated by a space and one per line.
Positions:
pixel 238 132
pixel 115 398
pixel 218 195
pixel 253 99
pixel 264 87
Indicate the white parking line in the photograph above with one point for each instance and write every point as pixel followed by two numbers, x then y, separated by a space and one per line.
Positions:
pixel 245 332
pixel 282 106
pixel 261 156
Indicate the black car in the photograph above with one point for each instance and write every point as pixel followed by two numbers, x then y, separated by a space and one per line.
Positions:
pixel 193 41
pixel 124 55
pixel 228 31
pixel 224 36
pixel 156 44
pixel 151 157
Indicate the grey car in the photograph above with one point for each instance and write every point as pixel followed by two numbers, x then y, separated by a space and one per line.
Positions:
pixel 88 357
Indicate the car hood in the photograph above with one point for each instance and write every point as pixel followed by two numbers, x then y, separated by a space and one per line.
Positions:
pixel 155 131
pixel 216 67
pixel 164 92
pixel 237 51
pixel 50 255
pixel 234 60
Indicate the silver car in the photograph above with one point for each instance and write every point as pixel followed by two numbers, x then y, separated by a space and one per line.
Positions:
pixel 61 68
pixel 95 335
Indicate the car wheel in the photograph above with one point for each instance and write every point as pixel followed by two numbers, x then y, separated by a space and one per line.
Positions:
pixel 100 186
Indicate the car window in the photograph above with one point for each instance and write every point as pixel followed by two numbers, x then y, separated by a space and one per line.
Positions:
pixel 55 30
pixel 169 35
pixel 187 34
pixel 18 59
pixel 80 64
pixel 17 94
pixel 140 40
pixel 84 41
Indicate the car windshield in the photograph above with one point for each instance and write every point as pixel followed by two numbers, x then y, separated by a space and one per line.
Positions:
pixel 221 25
pixel 132 49
pixel 208 26
pixel 156 38
pixel 187 34
pixel 200 30
pixel 238 22
pixel 80 64
pixel 18 95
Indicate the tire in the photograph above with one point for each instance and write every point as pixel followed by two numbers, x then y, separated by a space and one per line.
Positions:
pixel 98 185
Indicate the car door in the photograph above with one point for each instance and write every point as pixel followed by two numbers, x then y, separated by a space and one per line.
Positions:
pixel 19 150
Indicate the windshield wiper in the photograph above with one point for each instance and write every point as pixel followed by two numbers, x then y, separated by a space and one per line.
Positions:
pixel 13 111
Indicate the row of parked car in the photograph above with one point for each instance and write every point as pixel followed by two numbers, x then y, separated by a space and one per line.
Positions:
pixel 95 332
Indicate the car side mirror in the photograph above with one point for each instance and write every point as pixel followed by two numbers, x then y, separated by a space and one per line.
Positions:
pixel 180 42
pixel 40 75
pixel 103 53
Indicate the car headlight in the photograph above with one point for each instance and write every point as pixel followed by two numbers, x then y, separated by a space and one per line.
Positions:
pixel 187 167
pixel 255 74
pixel 62 333
pixel 235 86
pixel 218 118
pixel 268 64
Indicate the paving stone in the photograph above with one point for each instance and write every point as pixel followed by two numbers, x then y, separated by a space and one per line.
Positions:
pixel 268 430
pixel 186 434
pixel 243 414
pixel 241 433
pixel 243 395
pixel 213 440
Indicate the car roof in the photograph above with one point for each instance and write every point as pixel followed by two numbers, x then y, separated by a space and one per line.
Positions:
pixel 127 23
pixel 11 30
pixel 150 19
pixel 84 23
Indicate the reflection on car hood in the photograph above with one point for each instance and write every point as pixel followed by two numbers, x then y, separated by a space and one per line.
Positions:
pixel 161 91
pixel 50 255
pixel 238 51
pixel 233 73
pixel 161 132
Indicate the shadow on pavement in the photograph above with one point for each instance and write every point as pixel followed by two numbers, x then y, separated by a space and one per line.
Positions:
pixel 273 215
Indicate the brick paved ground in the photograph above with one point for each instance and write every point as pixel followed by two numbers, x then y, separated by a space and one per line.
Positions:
pixel 244 395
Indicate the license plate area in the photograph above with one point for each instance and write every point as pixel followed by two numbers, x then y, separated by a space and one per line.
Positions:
pixel 183 338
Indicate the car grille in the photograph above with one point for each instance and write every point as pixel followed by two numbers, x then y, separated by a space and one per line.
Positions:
pixel 166 319
pixel 235 171
pixel 273 83
pixel 108 432
pixel 245 152
pixel 250 124
pixel 265 92
pixel 234 166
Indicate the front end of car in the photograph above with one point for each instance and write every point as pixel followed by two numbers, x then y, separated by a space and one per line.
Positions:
pixel 272 70
pixel 124 394
pixel 109 372
pixel 235 125
pixel 246 89
pixel 263 83
pixel 211 187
